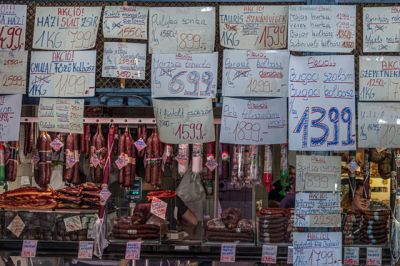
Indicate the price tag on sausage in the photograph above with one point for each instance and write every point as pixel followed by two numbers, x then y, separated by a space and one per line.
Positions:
pixel 269 253
pixel 85 250
pixel 132 251
pixel 158 207
pixel 56 144
pixel 228 252
pixel 351 255
pixel 374 256
pixel 73 223
pixel 16 226
pixel 29 248
pixel 140 144
pixel 122 161
pixel 104 195
pixel 94 160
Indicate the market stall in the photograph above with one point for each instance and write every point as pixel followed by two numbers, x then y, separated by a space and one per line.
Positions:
pixel 199 132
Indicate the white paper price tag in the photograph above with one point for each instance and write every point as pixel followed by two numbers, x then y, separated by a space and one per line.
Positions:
pixel 16 226
pixel 132 251
pixel 73 223
pixel 29 248
pixel 351 255
pixel 228 253
pixel 85 250
pixel 374 256
pixel 269 253
pixel 290 255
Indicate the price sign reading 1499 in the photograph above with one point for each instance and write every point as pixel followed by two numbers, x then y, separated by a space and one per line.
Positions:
pixel 321 103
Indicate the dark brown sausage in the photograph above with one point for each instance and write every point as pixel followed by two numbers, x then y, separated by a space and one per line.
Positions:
pixel 76 179
pixel 69 147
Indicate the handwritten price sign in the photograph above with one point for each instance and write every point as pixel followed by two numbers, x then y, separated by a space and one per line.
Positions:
pixel 10 114
pixel 317 248
pixel 62 74
pixel 181 29
pixel 66 28
pixel 85 250
pixel 254 122
pixel 124 60
pixel 380 29
pixel 29 248
pixel 269 253
pixel 379 78
pixel 255 73
pixel 351 255
pixel 12 27
pixel 321 103
pixel 158 207
pixel 71 122
pixel 228 253
pixel 132 251
pixel 246 27
pixel 337 33
pixel 184 121
pixel 374 256
pixel 184 75
pixel 318 173
pixel 378 125
pixel 127 22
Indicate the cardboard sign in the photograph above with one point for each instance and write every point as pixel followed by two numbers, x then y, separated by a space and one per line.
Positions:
pixel 62 74
pixel 378 125
pixel 321 103
pixel 252 73
pixel 61 115
pixel 85 250
pixel 269 254
pixel 66 27
pixel 29 248
pixel 12 27
pixel 10 114
pixel 254 122
pixel 132 251
pixel 381 29
pixel 124 60
pixel 379 78
pixel 16 226
pixel 317 248
pixel 253 27
pixel 158 207
pixel 374 256
pixel 351 256
pixel 181 29
pixel 322 28
pixel 318 173
pixel 126 22
pixel 184 75
pixel 228 252
pixel 13 72
pixel 73 223
pixel 184 121
pixel 317 209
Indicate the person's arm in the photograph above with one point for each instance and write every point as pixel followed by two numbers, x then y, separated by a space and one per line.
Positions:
pixel 190 218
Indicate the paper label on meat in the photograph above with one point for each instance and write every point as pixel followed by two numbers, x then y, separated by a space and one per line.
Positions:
pixel 69 159
pixel 16 226
pixel 73 223
pixel 158 207
pixel 122 161
pixel 104 195
pixel 56 144
pixel 211 164
pixel 140 144
pixel 94 160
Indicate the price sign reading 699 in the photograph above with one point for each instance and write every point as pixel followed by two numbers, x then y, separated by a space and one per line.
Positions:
pixel 321 103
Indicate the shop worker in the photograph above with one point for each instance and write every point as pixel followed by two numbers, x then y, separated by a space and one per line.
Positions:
pixel 281 187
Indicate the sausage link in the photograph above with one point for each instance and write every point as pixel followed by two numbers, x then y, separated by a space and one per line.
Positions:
pixel 148 159
pixel 76 179
pixel 69 147
pixel 121 143
pixel 128 149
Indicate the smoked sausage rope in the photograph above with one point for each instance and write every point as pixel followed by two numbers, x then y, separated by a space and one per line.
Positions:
pixel 98 153
pixel 111 137
pixel 148 159
pixel 156 173
pixel 44 165
pixel 12 162
pixel 183 159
